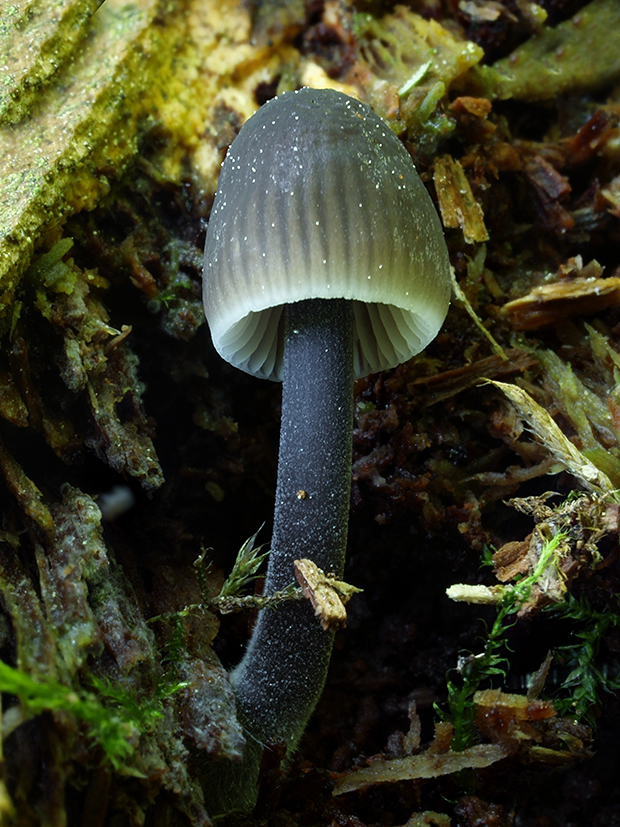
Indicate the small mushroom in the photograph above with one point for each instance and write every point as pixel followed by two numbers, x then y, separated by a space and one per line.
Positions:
pixel 325 260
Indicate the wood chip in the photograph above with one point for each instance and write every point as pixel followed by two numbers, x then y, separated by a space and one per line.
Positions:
pixel 457 204
pixel 511 559
pixel 440 386
pixel 426 765
pixel 484 595
pixel 552 304
pixel 327 595
pixel 429 817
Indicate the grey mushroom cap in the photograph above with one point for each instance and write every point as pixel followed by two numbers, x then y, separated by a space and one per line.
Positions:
pixel 318 199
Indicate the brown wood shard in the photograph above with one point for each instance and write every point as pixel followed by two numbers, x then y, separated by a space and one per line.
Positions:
pixel 457 204
pixel 551 304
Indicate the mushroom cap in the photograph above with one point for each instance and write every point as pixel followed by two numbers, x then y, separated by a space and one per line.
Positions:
pixel 318 199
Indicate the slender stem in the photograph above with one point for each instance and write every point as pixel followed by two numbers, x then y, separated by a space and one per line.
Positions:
pixel 281 676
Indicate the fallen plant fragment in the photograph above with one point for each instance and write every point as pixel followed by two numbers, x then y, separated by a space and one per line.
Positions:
pixel 405 67
pixel 429 817
pixel 328 595
pixel 547 305
pixel 515 725
pixel 446 384
pixel 531 726
pixel 560 447
pixel 429 764
pixel 578 524
pixel 231 597
pixel 563 545
pixel 591 412
pixel 460 296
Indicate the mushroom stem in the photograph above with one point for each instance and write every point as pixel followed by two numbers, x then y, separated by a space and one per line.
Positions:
pixel 281 676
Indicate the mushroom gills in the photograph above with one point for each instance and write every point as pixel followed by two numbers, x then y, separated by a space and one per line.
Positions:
pixel 383 334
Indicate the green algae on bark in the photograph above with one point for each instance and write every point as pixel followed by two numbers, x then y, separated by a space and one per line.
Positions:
pixel 581 54
pixel 36 38
pixel 187 69
pixel 50 164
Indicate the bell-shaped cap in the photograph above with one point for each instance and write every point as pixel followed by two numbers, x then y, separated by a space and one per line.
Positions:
pixel 318 198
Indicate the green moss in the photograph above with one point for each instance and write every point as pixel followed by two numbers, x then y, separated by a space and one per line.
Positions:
pixel 111 729
pixel 587 680
pixel 50 274
pixel 586 411
pixel 413 61
pixel 473 670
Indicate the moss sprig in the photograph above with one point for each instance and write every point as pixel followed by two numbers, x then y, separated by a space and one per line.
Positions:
pixel 245 569
pixel 115 729
pixel 588 679
pixel 232 597
pixel 473 670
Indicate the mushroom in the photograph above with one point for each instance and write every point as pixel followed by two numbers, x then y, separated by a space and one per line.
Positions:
pixel 324 261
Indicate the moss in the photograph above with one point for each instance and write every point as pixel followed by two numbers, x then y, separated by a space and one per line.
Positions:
pixel 413 63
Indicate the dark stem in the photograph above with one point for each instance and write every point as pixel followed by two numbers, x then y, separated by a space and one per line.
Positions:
pixel 281 676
